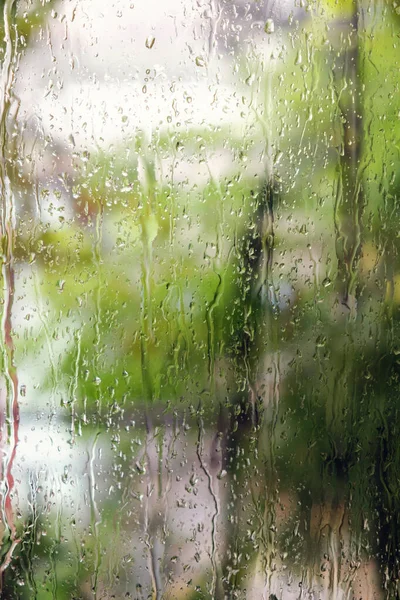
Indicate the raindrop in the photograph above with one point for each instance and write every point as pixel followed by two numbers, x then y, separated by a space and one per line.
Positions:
pixel 150 40
pixel 269 26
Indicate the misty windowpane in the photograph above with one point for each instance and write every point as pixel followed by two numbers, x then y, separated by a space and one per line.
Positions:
pixel 200 299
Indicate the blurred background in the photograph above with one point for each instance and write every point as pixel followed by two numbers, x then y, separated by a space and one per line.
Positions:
pixel 200 300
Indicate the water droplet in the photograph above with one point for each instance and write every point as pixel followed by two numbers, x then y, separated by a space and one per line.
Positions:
pixel 269 26
pixel 141 469
pixel 150 42
pixel 250 79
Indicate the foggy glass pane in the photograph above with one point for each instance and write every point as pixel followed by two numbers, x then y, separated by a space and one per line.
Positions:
pixel 200 299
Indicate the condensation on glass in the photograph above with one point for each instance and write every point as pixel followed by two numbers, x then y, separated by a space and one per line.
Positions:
pixel 200 299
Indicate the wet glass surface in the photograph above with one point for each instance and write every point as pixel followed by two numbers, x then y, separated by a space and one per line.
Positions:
pixel 200 300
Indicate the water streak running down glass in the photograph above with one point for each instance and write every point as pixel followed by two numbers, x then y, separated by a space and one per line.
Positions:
pixel 200 299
